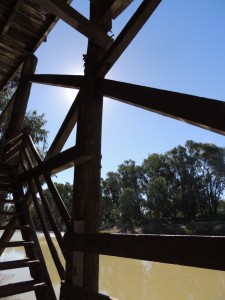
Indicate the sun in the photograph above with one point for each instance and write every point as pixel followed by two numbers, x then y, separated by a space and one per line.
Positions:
pixel 70 94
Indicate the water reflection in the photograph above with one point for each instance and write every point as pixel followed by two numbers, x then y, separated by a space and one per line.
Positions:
pixel 128 279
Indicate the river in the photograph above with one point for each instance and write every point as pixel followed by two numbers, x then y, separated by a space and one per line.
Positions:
pixel 129 279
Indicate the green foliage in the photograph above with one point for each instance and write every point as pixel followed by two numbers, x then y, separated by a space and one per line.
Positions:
pixel 187 181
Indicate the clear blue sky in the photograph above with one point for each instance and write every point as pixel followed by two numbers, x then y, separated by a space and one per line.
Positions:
pixel 181 48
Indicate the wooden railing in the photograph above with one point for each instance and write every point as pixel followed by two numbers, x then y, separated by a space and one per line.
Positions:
pixel 196 251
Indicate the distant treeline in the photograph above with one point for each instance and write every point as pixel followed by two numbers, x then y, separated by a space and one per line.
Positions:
pixel 186 182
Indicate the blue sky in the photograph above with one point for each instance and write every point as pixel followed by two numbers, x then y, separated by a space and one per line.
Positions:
pixel 181 48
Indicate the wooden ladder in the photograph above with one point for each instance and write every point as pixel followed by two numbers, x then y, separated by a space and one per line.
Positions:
pixel 13 205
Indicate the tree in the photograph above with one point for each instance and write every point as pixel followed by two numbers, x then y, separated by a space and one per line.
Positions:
pixel 128 208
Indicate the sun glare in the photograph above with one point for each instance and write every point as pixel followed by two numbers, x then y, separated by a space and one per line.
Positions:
pixel 70 94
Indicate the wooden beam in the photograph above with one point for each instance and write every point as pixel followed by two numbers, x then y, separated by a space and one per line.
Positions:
pixel 69 291
pixel 65 129
pixel 22 97
pixel 117 7
pixel 67 81
pixel 13 11
pixel 69 15
pixel 131 29
pixel 202 112
pixel 195 251
pixel 62 161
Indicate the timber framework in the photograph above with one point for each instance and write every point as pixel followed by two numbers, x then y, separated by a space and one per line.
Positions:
pixel 24 25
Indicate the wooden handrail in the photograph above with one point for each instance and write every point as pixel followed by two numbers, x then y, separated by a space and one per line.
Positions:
pixel 195 251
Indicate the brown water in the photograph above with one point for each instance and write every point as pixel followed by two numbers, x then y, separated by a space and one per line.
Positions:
pixel 128 279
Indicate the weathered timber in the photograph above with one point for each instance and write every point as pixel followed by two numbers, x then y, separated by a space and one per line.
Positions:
pixel 202 112
pixel 53 190
pixel 70 292
pixel 65 129
pixel 49 214
pixel 66 81
pixel 44 226
pixel 62 161
pixel 69 15
pixel 16 244
pixel 195 251
pixel 21 99
pixel 20 288
pixel 15 264
pixel 14 151
pixel 117 7
pixel 126 36
pixel 13 11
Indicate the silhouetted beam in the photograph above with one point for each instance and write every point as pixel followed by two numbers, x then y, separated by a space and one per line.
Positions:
pixel 69 15
pixel 13 11
pixel 62 161
pixel 134 25
pixel 65 129
pixel 117 7
pixel 202 112
pixel 67 81
pixel 196 251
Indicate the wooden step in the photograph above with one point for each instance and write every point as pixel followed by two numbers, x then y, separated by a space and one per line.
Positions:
pixel 11 213
pixel 15 264
pixel 7 201
pixel 20 288
pixel 16 244
pixel 22 227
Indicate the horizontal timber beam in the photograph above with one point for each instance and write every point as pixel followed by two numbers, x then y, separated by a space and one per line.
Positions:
pixel 194 251
pixel 202 112
pixel 117 7
pixel 69 290
pixel 69 15
pixel 62 161
pixel 126 36
pixel 67 81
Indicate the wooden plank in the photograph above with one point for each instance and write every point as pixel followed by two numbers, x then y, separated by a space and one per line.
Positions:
pixel 53 190
pixel 10 17
pixel 62 161
pixel 15 244
pixel 22 96
pixel 69 15
pixel 117 7
pixel 69 291
pixel 202 112
pixel 65 129
pixel 195 251
pixel 126 36
pixel 15 264
pixel 20 288
pixel 67 81
pixel 50 243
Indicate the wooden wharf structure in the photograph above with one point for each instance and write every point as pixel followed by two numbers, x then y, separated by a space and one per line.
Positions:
pixel 24 25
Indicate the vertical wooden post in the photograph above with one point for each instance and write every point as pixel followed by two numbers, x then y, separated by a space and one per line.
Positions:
pixel 22 97
pixel 86 200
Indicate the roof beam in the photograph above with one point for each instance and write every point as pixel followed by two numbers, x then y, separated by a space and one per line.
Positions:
pixel 117 7
pixel 69 15
pixel 202 112
pixel 67 81
pixel 123 40
pixel 10 17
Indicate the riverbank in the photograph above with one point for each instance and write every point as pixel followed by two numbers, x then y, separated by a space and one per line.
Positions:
pixel 212 228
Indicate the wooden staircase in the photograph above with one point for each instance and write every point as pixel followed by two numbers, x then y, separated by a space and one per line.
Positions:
pixel 13 205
